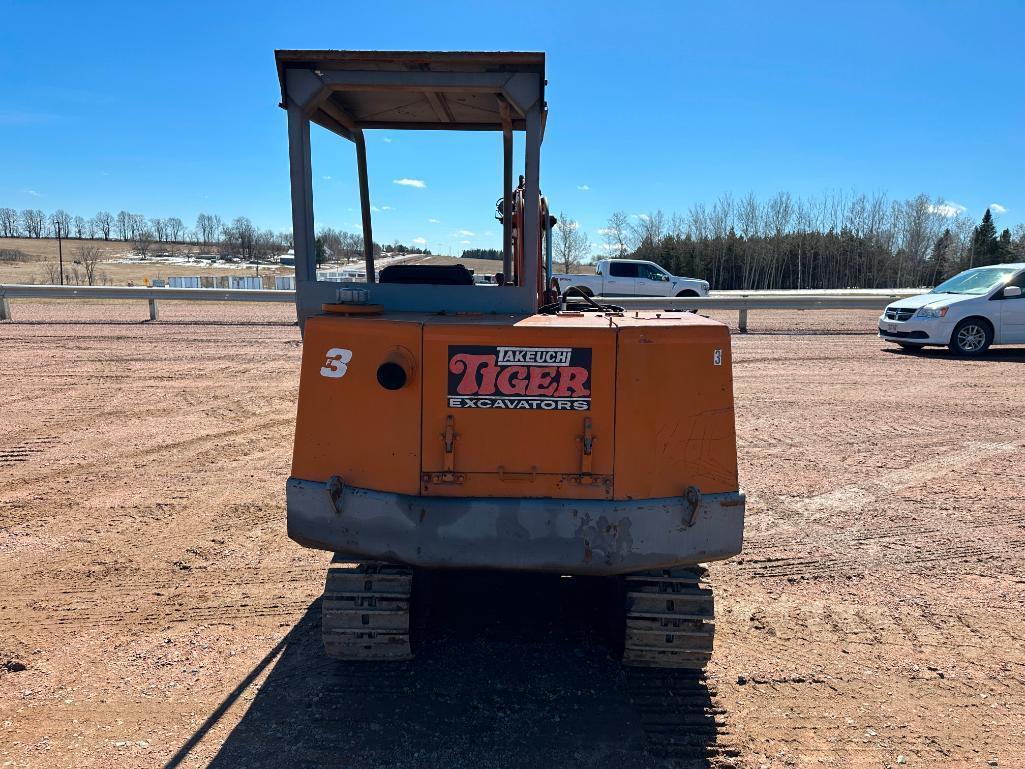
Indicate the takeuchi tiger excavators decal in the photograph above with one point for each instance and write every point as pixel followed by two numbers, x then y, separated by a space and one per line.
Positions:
pixel 540 378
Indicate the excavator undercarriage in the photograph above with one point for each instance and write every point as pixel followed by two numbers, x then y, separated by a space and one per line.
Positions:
pixel 666 617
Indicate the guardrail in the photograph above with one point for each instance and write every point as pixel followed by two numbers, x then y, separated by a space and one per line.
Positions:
pixel 742 303
pixel 152 295
pixel 745 303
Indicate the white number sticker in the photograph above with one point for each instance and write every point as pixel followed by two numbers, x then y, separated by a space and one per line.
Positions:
pixel 717 358
pixel 335 365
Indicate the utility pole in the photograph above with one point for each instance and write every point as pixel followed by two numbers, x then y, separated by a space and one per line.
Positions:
pixel 60 250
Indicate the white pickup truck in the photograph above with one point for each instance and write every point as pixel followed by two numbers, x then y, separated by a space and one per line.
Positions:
pixel 630 277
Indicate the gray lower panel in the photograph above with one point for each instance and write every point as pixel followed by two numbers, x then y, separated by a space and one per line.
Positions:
pixel 549 535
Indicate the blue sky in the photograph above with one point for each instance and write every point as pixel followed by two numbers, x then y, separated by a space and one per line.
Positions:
pixel 170 109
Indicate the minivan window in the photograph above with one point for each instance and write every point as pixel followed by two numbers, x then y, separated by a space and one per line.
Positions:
pixel 977 281
pixel 622 269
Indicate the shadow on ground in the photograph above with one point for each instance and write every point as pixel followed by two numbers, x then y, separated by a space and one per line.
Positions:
pixel 511 671
pixel 992 355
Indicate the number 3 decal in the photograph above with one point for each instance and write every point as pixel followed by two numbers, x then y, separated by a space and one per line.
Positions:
pixel 334 366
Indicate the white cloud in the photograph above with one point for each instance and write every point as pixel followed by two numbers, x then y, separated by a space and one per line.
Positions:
pixel 386 140
pixel 642 217
pixel 583 187
pixel 604 231
pixel 465 233
pixel 464 242
pixel 326 178
pixel 420 241
pixel 418 183
pixel 947 209
pixel 34 194
pixel 996 208
pixel 382 208
pixel 434 221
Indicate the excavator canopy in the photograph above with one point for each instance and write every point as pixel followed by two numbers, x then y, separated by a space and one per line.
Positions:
pixel 348 92
pixel 423 90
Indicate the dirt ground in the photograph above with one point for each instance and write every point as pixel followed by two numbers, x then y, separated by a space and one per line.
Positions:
pixel 154 614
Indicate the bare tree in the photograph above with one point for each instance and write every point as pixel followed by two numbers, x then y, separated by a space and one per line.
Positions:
pixel 571 244
pixel 241 237
pixel 159 228
pixel 78 227
pixel 51 273
pixel 616 232
pixel 142 243
pixel 88 255
pixel 645 227
pixel 208 228
pixel 136 226
pixel 123 225
pixel 175 229
pixel 34 221
pixel 9 225
pixel 60 223
pixel 104 222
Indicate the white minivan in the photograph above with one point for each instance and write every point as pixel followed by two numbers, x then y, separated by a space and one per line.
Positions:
pixel 967 313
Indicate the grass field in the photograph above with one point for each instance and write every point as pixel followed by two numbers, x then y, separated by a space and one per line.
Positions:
pixel 40 251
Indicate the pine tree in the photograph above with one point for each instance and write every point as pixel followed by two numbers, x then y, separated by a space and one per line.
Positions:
pixel 944 257
pixel 985 249
pixel 1005 252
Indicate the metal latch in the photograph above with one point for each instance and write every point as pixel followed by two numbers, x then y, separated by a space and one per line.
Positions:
pixel 586 447
pixel 449 438
pixel 449 474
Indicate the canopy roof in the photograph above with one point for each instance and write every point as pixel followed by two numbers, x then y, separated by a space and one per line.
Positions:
pixel 447 90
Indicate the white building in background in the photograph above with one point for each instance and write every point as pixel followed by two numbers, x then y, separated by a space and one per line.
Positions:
pixel 344 275
pixel 185 281
pixel 250 282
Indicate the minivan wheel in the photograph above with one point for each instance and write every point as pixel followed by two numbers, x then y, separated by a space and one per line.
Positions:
pixel 972 336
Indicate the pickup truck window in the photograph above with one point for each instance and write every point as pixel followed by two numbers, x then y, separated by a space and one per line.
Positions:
pixel 651 272
pixel 622 269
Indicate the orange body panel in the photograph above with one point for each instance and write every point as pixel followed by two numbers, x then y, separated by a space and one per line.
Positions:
pixel 516 452
pixel 675 423
pixel 516 401
pixel 349 425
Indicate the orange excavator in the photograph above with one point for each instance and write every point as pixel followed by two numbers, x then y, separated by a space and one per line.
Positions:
pixel 447 425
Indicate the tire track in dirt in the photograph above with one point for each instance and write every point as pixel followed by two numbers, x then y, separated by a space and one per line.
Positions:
pixel 177 448
pixel 856 495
